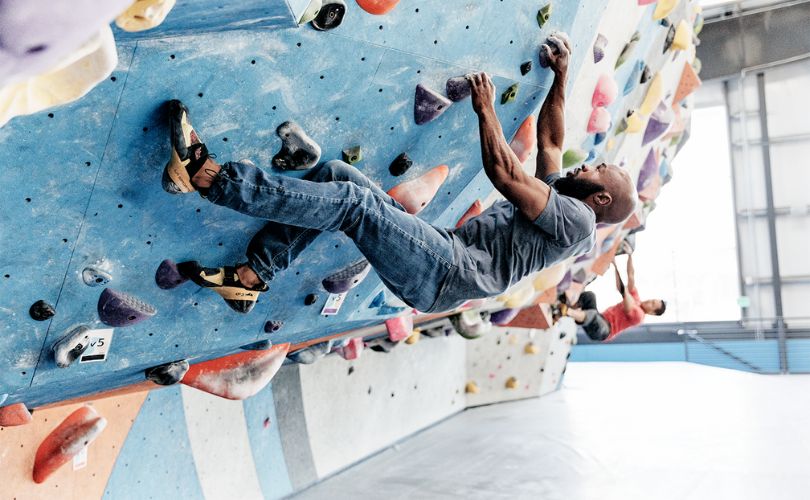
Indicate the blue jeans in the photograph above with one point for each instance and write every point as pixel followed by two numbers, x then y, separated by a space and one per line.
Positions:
pixel 411 257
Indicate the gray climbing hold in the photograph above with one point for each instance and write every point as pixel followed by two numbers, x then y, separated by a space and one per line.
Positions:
pixel 510 93
pixel 273 326
pixel 353 155
pixel 67 349
pixel 94 276
pixel 458 88
pixel 311 354
pixel 310 299
pixel 382 344
pixel 122 309
pixel 261 345
pixel 599 47
pixel 41 311
pixel 298 150
pixel 330 16
pixel 646 75
pixel 669 39
pixel 167 374
pixel 311 12
pixel 400 165
pixel 168 276
pixel 525 68
pixel 428 105
pixel 347 278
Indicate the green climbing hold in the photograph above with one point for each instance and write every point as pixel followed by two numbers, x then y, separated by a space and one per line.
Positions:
pixel 574 157
pixel 353 155
pixel 628 49
pixel 543 14
pixel 510 94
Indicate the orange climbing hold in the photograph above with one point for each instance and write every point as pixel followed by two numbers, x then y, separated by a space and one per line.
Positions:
pixel 689 83
pixel 525 139
pixel 377 7
pixel 70 437
pixel 399 328
pixel 238 376
pixel 16 414
pixel 475 209
pixel 415 194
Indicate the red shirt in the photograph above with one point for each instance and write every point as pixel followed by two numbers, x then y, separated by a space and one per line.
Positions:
pixel 619 320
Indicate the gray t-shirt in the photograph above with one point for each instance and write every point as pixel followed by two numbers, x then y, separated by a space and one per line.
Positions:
pixel 501 246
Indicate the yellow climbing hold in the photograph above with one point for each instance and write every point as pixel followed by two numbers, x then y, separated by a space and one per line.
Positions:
pixel 683 36
pixel 653 96
pixel 471 388
pixel 663 8
pixel 414 336
pixel 511 383
pixel 634 123
pixel 518 296
pixel 550 277
pixel 144 14
pixel 531 348
pixel 610 144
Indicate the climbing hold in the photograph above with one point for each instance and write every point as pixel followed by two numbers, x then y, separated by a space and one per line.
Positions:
pixel 591 156
pixel 648 169
pixel 399 328
pixel 438 331
pixel 414 337
pixel 628 49
pixel 510 93
pixel 261 345
pixel 353 155
pixel 400 165
pixel 697 64
pixel 658 123
pixel 381 344
pixel 167 276
pixel 347 278
pixel 599 47
pixel 574 156
pixel 330 15
pixel 122 309
pixel 144 14
pixel 697 26
pixel 511 383
pixel 598 138
pixel 471 324
pixel 543 15
pixel 653 97
pixel 41 311
pixel 458 88
pixel 581 276
pixel 605 91
pixel 311 354
pixel 669 39
pixel 167 374
pixel 67 349
pixel 351 349
pixel 525 140
pixel 531 348
pixel 298 150
pixel 428 104
pixel 94 276
pixel 273 326
pixel 664 22
pixel 645 2
pixel 310 299
pixel 610 144
pixel 688 83
pixel 377 7
pixel 69 438
pixel 565 282
pixel 14 415
pixel 415 194
pixel 525 68
pixel 631 124
pixel 475 209
pixel 471 388
pixel 599 121
pixel 378 300
pixel 633 79
pixel 503 316
pixel 237 376
pixel 311 12
pixel 646 74
pixel 663 8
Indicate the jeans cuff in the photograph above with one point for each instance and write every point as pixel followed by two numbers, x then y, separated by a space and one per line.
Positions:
pixel 263 272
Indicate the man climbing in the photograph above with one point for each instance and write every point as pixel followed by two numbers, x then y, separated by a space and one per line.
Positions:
pixel 618 318
pixel 543 220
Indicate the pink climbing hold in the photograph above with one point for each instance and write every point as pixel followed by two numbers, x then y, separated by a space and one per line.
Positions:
pixel 13 415
pixel 399 328
pixel 352 349
pixel 70 437
pixel 646 2
pixel 525 139
pixel 237 376
pixel 475 209
pixel 415 194
pixel 605 91
pixel 599 121
pixel 428 105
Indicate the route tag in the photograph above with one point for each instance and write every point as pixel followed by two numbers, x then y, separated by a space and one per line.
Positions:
pixel 100 341
pixel 333 303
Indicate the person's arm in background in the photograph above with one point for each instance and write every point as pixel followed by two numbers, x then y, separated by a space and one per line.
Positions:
pixel 631 273
pixel 551 121
pixel 628 302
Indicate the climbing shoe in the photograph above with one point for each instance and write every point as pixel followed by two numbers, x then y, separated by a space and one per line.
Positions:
pixel 225 282
pixel 188 152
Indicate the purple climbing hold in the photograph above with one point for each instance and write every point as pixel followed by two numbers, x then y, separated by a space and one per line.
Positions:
pixel 400 165
pixel 122 309
pixel 167 276
pixel 565 283
pixel 347 278
pixel 428 105
pixel 656 126
pixel 599 47
pixel 41 311
pixel 273 326
pixel 503 316
pixel 648 169
pixel 458 88
pixel 581 276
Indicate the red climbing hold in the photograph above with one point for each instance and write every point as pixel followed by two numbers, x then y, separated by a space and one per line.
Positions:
pixel 399 328
pixel 475 209
pixel 13 415
pixel 605 91
pixel 352 349
pixel 689 83
pixel 70 437
pixel 415 194
pixel 599 121
pixel 377 7
pixel 237 376
pixel 525 139
pixel 428 104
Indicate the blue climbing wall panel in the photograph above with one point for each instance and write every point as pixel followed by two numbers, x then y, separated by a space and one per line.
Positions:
pixel 82 181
